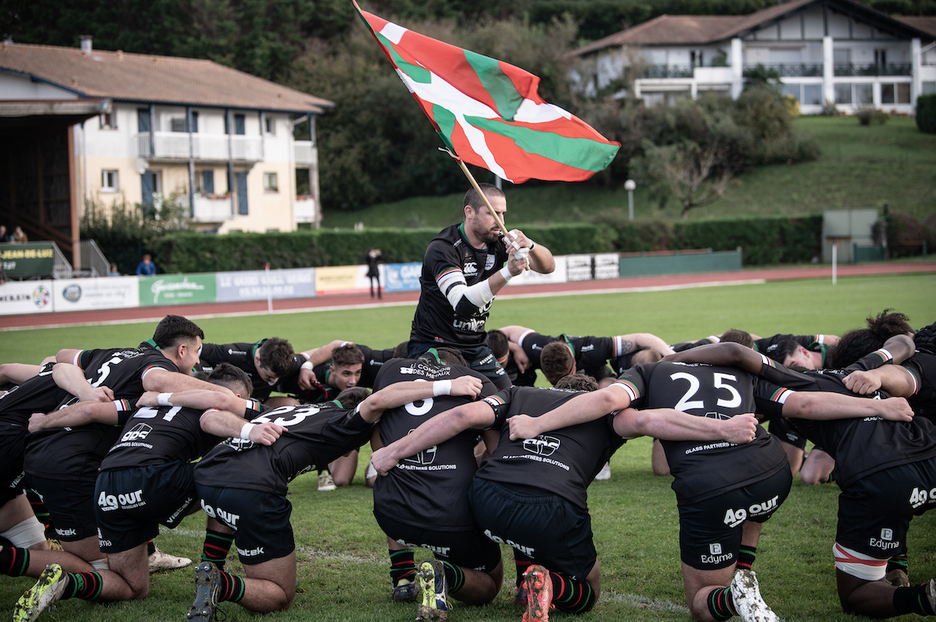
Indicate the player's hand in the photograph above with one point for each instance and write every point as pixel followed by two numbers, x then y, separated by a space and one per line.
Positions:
pixel 521 360
pixel 519 238
pixel 37 422
pixel 266 433
pixel 307 379
pixel 383 460
pixel 895 409
pixel 522 427
pixel 97 394
pixel 468 386
pixel 514 264
pixel 148 399
pixel 740 429
pixel 862 382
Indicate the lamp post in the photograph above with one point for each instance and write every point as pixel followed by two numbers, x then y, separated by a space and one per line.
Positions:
pixel 630 186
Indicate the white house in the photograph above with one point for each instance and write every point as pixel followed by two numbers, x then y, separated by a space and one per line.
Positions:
pixel 218 140
pixel 824 50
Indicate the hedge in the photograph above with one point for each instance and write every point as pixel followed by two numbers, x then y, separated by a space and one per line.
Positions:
pixel 926 113
pixel 763 240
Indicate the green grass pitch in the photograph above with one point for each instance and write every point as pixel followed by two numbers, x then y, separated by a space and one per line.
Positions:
pixel 342 554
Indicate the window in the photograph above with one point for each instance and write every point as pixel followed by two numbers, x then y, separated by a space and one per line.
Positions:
pixel 177 124
pixel 841 57
pixel 794 90
pixel 843 93
pixel 269 182
pixel 239 125
pixel 207 179
pixel 270 125
pixel 864 94
pixel 880 57
pixel 929 88
pixel 108 181
pixel 108 121
pixel 812 94
pixel 194 122
pixel 903 93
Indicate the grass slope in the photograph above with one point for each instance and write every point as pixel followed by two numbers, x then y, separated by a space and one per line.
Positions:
pixel 342 554
pixel 860 166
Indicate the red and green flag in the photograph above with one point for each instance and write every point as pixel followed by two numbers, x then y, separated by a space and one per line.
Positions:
pixel 488 112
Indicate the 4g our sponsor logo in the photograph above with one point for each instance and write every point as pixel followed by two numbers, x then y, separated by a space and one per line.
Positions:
pixel 733 518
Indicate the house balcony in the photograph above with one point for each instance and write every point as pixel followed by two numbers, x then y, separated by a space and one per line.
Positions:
pixel 303 153
pixel 204 147
pixel 792 70
pixel 209 208
pixel 655 72
pixel 305 209
pixel 873 69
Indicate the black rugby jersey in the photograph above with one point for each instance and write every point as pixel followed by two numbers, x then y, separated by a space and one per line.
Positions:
pixel 591 353
pixel 37 394
pixel 431 486
pixel 813 343
pixel 860 446
pixel 561 462
pixel 704 469
pixel 317 434
pixel 76 453
pixel 923 367
pixel 449 253
pixel 241 355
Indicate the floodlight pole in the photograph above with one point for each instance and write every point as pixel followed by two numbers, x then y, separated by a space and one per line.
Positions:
pixel 630 186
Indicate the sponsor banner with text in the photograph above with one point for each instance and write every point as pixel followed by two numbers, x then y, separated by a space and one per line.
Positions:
pixel 177 289
pixel 261 284
pixel 117 292
pixel 401 277
pixel 18 297
pixel 27 259
pixel 341 280
pixel 535 278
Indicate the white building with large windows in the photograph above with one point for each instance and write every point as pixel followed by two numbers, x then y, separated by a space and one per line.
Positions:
pixel 217 140
pixel 825 51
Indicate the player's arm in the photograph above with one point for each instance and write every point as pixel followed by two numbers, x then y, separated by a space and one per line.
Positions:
pixel 728 354
pixel 520 358
pixel 67 355
pixel 72 379
pixel 78 414
pixel 829 340
pixel 581 409
pixel 314 358
pixel 540 258
pixel 638 341
pixel 514 332
pixel 669 424
pixel 467 301
pixel 165 381
pixel 17 373
pixel 224 423
pixel 822 405
pixel 401 393
pixel 442 427
pixel 897 380
pixel 198 399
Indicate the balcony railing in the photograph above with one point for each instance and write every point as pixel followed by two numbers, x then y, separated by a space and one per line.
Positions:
pixel 305 209
pixel 668 71
pixel 873 69
pixel 175 146
pixel 303 153
pixel 792 70
pixel 208 209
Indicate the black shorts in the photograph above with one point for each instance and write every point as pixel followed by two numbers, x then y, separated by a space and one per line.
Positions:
pixel 260 521
pixel 479 358
pixel 131 504
pixel 70 504
pixel 11 465
pixel 468 549
pixel 786 433
pixel 546 528
pixel 710 530
pixel 874 513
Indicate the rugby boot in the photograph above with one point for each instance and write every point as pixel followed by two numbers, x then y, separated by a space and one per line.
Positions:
pixel 433 606
pixel 747 598
pixel 47 590
pixel 207 585
pixel 539 594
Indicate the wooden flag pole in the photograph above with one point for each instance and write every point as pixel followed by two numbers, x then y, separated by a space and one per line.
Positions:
pixel 487 203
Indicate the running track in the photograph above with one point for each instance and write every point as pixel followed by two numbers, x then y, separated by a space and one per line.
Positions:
pixel 323 303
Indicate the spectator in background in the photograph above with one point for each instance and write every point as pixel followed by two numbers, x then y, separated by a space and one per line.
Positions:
pixel 146 267
pixel 373 271
pixel 3 234
pixel 113 270
pixel 19 235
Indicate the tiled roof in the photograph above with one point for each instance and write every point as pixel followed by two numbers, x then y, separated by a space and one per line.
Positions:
pixel 707 29
pixel 924 24
pixel 157 79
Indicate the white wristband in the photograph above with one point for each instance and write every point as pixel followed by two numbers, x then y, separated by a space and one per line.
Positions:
pixel 245 431
pixel 307 365
pixel 505 272
pixel 163 399
pixel 441 387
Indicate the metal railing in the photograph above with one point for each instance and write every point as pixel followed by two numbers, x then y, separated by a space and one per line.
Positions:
pixel 872 69
pixel 92 259
pixel 792 70
pixel 668 71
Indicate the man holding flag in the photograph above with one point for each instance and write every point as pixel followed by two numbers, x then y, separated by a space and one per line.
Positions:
pixel 463 269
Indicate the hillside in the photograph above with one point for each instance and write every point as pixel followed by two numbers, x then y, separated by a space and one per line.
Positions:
pixel 860 166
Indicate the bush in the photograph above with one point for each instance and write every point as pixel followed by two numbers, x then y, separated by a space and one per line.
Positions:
pixel 926 113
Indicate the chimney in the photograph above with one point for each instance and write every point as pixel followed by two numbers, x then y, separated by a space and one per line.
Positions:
pixel 86 44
